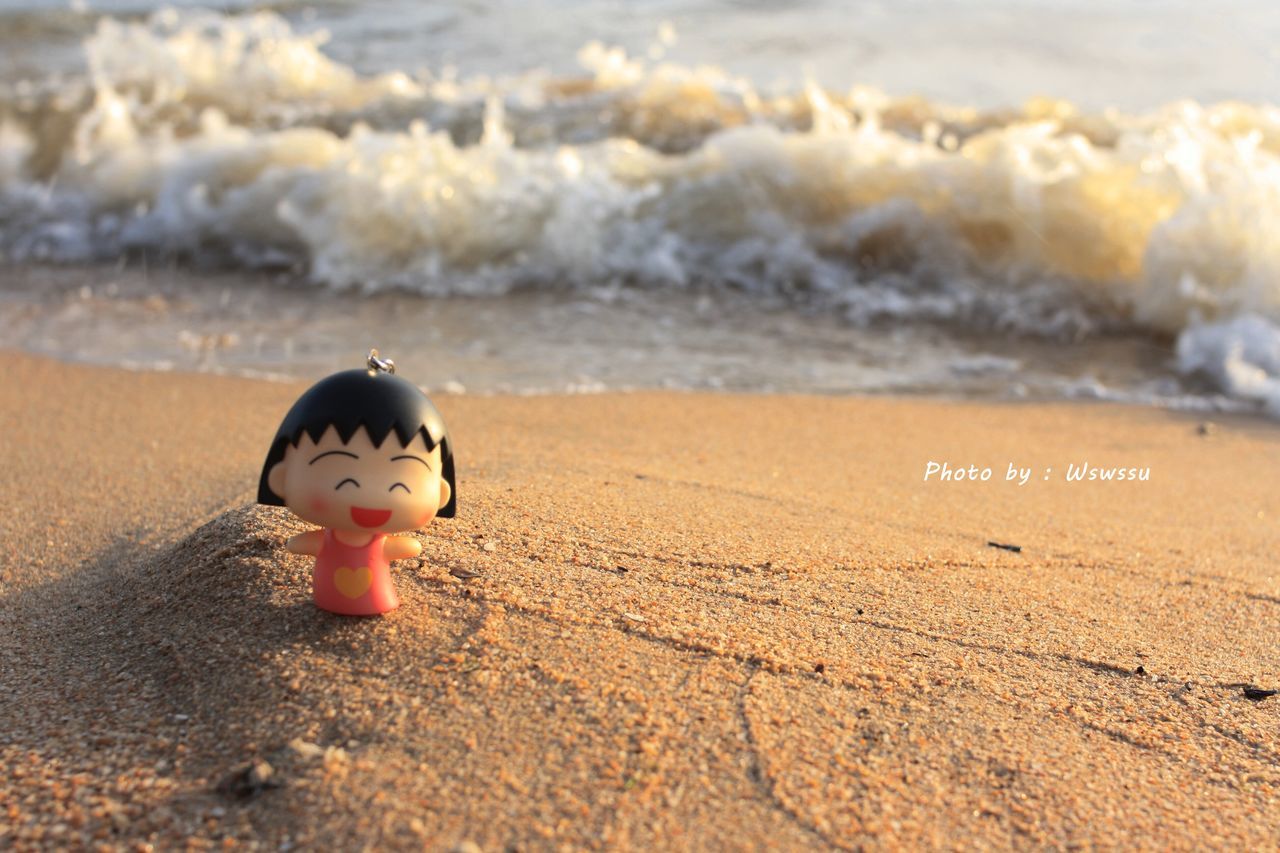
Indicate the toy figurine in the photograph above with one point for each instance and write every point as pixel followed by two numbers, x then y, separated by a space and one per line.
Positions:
pixel 334 462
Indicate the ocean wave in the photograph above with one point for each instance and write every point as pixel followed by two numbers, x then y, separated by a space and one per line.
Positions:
pixel 1240 355
pixel 234 139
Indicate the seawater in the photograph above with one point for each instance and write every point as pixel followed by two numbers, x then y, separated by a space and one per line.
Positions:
pixel 1005 189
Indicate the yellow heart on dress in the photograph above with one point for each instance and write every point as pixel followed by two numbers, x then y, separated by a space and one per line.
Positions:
pixel 352 583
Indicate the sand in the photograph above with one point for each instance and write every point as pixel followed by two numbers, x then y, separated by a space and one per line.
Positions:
pixel 684 621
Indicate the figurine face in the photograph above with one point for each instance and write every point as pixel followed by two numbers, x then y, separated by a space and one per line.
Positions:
pixel 359 487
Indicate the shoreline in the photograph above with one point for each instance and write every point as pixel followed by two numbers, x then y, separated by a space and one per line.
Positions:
pixel 256 325
pixel 660 619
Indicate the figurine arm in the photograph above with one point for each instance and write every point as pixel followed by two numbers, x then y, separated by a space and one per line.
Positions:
pixel 306 543
pixel 399 547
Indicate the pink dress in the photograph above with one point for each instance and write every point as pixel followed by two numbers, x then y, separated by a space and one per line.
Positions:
pixel 354 581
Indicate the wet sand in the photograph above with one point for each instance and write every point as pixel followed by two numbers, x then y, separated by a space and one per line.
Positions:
pixel 660 620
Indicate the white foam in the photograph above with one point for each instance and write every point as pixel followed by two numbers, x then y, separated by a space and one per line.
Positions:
pixel 235 137
pixel 16 147
pixel 243 65
pixel 1241 355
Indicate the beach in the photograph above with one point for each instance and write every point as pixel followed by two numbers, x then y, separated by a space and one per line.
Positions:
pixel 660 620
pixel 865 419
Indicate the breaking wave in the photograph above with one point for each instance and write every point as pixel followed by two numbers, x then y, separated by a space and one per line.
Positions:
pixel 235 140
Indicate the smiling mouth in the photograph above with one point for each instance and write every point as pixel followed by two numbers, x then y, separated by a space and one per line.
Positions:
pixel 370 517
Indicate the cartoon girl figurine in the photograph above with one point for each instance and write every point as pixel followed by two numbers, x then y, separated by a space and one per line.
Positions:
pixel 334 462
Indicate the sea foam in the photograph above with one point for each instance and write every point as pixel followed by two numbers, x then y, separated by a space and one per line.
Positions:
pixel 235 139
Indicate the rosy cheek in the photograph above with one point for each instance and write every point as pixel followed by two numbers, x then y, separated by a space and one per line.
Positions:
pixel 319 504
pixel 426 517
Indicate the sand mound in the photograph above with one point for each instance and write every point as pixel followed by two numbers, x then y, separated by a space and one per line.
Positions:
pixel 460 716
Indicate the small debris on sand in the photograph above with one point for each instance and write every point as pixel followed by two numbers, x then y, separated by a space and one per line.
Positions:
pixel 1257 694
pixel 1017 549
pixel 250 781
pixel 463 573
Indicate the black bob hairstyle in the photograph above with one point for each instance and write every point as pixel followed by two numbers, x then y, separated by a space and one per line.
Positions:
pixel 378 401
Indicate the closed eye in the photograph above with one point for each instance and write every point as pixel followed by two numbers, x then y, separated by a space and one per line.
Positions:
pixel 401 485
pixel 413 458
pixel 344 482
